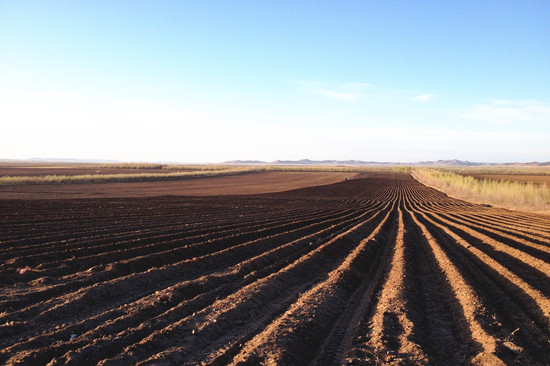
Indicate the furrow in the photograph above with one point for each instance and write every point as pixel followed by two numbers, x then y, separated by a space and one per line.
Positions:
pixel 252 306
pixel 505 232
pixel 523 252
pixel 294 336
pixel 521 227
pixel 361 302
pixel 508 302
pixel 387 334
pixel 110 287
pixel 468 300
pixel 528 273
pixel 173 303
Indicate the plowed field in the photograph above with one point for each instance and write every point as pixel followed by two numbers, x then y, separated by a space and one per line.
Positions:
pixel 241 184
pixel 374 270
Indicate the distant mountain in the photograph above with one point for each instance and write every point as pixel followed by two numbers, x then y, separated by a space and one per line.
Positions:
pixel 451 162
pixel 323 162
pixel 301 162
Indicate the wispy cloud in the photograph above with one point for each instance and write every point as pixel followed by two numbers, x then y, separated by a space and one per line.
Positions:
pixel 509 113
pixel 346 97
pixel 424 98
pixel 347 92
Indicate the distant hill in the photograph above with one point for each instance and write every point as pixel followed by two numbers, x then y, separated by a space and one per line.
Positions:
pixel 452 162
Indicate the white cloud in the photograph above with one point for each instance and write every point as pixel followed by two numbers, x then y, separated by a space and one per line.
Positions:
pixel 510 113
pixel 424 98
pixel 347 97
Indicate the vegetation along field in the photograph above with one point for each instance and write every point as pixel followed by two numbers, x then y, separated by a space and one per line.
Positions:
pixel 366 268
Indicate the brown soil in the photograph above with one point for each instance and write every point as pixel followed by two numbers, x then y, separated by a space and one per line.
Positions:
pixel 42 170
pixel 241 184
pixel 375 270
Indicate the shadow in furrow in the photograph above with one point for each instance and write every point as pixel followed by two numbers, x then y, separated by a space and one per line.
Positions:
pixel 528 273
pixel 374 266
pixel 544 256
pixel 512 307
pixel 440 326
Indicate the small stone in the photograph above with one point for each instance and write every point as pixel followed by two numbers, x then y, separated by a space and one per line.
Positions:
pixel 515 349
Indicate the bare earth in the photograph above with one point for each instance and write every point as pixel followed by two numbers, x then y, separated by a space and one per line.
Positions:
pixel 67 169
pixel 242 184
pixel 378 269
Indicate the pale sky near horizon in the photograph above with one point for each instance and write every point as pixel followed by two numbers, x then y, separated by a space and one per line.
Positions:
pixel 211 81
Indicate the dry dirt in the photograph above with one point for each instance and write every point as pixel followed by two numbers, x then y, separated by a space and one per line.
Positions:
pixel 68 169
pixel 375 270
pixel 239 184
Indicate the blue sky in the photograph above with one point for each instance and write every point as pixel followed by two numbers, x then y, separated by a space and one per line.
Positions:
pixel 210 81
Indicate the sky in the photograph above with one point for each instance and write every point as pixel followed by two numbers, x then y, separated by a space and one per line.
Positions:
pixel 214 81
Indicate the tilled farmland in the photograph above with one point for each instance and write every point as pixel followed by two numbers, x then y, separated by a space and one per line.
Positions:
pixel 374 270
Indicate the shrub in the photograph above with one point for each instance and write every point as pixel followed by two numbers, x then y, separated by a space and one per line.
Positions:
pixel 504 193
